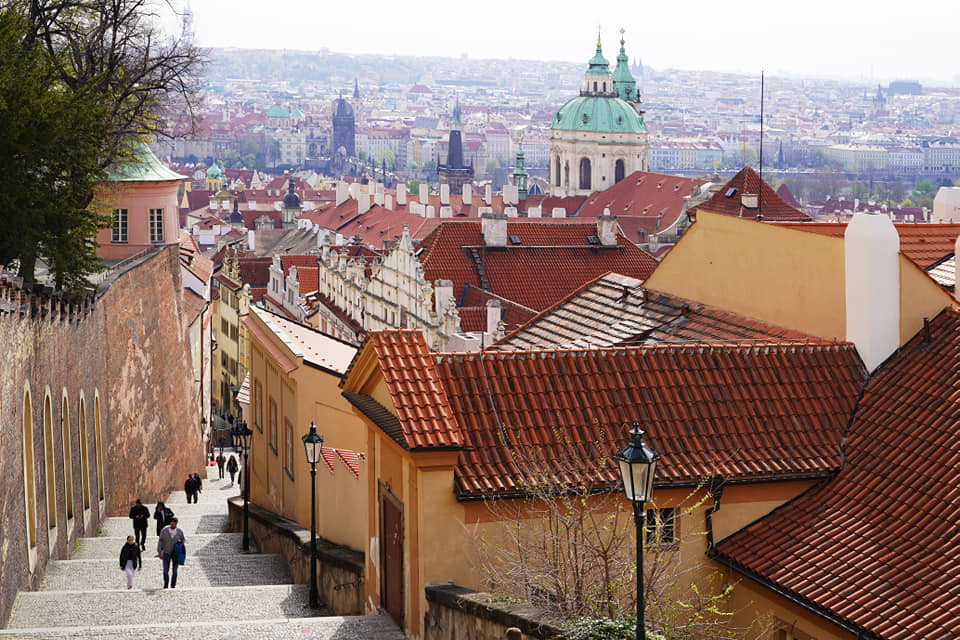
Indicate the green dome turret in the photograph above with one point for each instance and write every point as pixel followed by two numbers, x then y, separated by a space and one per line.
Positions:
pixel 599 113
pixel 598 64
pixel 623 81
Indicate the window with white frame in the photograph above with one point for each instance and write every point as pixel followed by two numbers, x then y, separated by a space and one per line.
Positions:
pixel 156 225
pixel 119 232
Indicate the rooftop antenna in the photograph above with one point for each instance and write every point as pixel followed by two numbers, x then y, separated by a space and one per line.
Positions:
pixel 760 193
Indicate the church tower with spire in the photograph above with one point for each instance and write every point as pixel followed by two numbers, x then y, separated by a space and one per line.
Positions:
pixel 455 172
pixel 599 137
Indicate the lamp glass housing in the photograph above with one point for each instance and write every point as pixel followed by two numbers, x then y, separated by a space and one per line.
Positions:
pixel 313 445
pixel 638 465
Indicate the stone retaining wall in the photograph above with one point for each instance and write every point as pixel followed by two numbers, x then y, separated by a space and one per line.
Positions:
pixel 339 570
pixel 457 613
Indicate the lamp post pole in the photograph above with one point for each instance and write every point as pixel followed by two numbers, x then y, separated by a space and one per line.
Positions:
pixel 313 447
pixel 637 467
pixel 244 432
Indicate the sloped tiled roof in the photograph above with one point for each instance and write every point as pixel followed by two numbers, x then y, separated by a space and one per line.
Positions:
pixel 643 195
pixel 551 260
pixel 308 343
pixel 410 373
pixel 741 412
pixel 728 200
pixel 878 547
pixel 615 310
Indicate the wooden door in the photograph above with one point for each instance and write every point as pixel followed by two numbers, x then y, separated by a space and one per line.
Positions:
pixel 391 554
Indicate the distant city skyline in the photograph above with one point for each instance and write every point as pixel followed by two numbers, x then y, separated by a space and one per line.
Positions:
pixel 858 41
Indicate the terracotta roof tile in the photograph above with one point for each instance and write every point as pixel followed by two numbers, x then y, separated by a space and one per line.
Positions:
pixel 551 260
pixel 879 543
pixel 736 411
pixel 653 196
pixel 410 373
pixel 728 200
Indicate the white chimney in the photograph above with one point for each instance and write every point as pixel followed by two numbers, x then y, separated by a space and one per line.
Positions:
pixel 446 212
pixel 363 203
pixel 946 205
pixel 494 313
pixel 213 204
pixel 494 227
pixel 749 200
pixel 343 192
pixel 251 204
pixel 607 229
pixel 956 268
pixel 511 195
pixel 534 212
pixel 401 195
pixel 488 195
pixel 424 193
pixel 388 201
pixel 444 194
pixel 378 197
pixel 354 190
pixel 872 286
pixel 511 212
pixel 467 194
pixel 442 296
pixel 431 212
pixel 251 240
pixel 559 212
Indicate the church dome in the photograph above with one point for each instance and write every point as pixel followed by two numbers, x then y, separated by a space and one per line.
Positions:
pixel 278 111
pixel 291 200
pixel 213 172
pixel 598 113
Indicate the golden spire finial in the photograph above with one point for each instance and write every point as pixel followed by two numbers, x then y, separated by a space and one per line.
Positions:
pixel 598 36
pixel 622 31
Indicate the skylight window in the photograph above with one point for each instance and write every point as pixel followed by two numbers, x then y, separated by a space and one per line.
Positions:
pixel 592 239
pixel 732 191
pixel 514 239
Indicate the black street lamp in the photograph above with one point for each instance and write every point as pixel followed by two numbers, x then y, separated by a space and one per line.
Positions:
pixel 244 433
pixel 313 445
pixel 637 467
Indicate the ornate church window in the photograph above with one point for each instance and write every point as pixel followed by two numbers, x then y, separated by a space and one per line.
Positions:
pixel 585 173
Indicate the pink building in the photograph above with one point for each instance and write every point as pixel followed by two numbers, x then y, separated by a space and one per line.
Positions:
pixel 141 199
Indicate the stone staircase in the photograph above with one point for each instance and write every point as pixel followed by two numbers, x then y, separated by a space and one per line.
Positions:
pixel 222 593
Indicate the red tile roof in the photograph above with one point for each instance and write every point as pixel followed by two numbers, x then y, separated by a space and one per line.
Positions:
pixel 410 373
pixel 746 412
pixel 652 196
pixel 877 548
pixel 728 200
pixel 924 244
pixel 255 271
pixel 551 260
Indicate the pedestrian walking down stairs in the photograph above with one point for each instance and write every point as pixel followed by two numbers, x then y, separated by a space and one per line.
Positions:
pixel 222 593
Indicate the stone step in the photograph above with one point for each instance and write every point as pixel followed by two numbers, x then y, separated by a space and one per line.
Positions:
pixel 199 571
pixel 191 524
pixel 206 544
pixel 373 627
pixel 137 605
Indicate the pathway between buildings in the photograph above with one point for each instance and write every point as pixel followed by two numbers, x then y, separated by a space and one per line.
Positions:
pixel 222 593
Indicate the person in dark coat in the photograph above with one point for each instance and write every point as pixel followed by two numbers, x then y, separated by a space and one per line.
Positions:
pixel 141 517
pixel 221 461
pixel 130 559
pixel 162 514
pixel 189 487
pixel 232 468
pixel 197 486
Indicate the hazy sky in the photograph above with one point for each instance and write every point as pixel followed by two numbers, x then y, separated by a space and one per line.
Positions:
pixel 865 41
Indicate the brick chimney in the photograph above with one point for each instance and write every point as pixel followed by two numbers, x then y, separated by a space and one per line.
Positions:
pixel 607 229
pixel 494 226
pixel 442 296
pixel 871 249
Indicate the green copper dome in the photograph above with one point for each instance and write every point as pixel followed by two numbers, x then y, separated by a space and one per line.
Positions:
pixel 598 113
pixel 214 172
pixel 278 111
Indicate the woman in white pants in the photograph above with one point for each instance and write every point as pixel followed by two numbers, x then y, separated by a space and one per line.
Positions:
pixel 130 560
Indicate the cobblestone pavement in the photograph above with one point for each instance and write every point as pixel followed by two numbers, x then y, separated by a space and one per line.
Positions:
pixel 221 594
